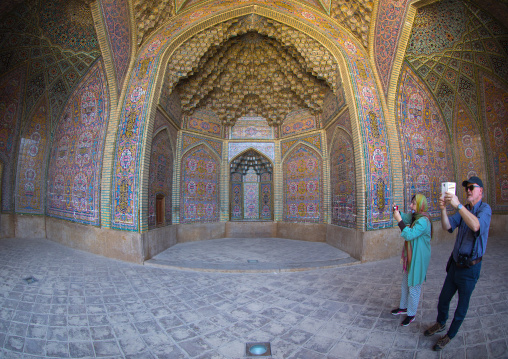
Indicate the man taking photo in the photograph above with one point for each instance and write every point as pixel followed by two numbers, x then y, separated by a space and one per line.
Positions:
pixel 464 265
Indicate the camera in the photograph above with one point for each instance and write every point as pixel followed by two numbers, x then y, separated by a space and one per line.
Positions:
pixel 395 208
pixel 463 260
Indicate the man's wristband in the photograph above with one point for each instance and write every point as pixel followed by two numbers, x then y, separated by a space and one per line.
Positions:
pixel 459 207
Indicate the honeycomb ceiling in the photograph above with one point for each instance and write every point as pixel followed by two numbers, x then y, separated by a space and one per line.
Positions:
pixel 150 14
pixel 252 66
pixel 248 160
pixel 354 15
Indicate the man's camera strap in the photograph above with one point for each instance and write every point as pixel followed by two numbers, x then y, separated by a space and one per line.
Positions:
pixel 468 206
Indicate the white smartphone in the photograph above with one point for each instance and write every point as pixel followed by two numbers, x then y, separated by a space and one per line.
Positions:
pixel 448 187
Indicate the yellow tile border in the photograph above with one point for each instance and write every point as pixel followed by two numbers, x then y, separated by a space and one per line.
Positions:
pixel 116 101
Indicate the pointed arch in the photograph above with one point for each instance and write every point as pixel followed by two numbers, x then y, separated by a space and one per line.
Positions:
pixel 251 186
pixel 342 180
pixel 494 95
pixel 257 150
pixel 76 155
pixel 365 104
pixel 160 183
pixel 117 38
pixel 303 185
pixel 12 85
pixel 199 185
pixel 468 145
pixel 424 140
pixel 32 161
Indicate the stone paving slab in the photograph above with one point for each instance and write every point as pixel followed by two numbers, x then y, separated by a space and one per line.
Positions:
pixel 249 267
pixel 86 306
pixel 251 255
pixel 242 249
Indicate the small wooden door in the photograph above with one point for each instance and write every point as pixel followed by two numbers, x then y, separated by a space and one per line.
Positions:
pixel 159 210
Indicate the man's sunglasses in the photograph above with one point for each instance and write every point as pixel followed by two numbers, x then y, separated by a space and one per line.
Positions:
pixel 471 187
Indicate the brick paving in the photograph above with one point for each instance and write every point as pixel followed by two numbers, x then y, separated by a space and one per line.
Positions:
pixel 86 306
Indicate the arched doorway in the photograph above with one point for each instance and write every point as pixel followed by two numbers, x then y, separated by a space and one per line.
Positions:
pixel 251 178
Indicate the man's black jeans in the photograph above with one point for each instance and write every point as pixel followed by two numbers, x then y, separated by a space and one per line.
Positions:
pixel 462 280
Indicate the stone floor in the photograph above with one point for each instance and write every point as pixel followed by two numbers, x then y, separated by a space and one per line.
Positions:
pixel 251 255
pixel 82 305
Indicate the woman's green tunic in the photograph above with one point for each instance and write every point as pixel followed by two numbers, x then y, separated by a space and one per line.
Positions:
pixel 419 235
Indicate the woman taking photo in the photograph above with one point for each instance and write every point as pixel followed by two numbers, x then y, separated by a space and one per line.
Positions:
pixel 416 229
